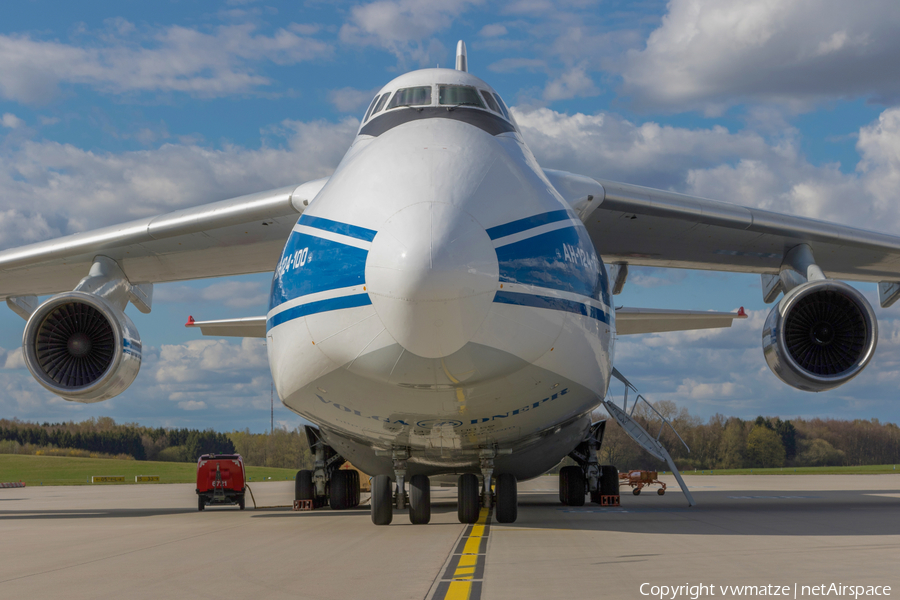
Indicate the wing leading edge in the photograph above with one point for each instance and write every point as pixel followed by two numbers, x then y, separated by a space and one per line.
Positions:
pixel 631 321
pixel 232 237
pixel 635 225
pixel 241 327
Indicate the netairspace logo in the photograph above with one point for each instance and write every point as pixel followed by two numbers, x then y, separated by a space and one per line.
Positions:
pixel 671 592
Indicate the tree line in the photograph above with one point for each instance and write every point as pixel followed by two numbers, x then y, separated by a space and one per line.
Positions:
pixel 718 443
pixel 732 443
pixel 104 437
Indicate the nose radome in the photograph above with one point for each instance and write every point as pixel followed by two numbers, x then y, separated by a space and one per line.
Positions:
pixel 432 274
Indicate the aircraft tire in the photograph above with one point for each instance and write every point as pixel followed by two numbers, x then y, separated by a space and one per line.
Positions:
pixel 354 488
pixel 382 500
pixel 571 484
pixel 507 498
pixel 303 486
pixel 341 492
pixel 564 485
pixel 419 500
pixel 609 480
pixel 468 504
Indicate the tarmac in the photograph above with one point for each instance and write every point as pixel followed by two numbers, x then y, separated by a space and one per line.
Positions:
pixel 149 541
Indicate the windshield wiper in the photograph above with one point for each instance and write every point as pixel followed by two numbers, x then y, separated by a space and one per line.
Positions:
pixel 449 108
pixel 414 107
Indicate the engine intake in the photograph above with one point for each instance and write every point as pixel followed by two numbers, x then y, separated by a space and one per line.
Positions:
pixel 821 335
pixel 80 347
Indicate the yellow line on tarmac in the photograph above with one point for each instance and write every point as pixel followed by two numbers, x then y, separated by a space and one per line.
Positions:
pixel 458 590
pixel 463 574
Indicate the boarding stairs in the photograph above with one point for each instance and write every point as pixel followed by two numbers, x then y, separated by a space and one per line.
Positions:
pixel 640 435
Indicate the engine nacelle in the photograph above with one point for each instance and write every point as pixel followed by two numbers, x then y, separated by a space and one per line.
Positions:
pixel 80 347
pixel 821 335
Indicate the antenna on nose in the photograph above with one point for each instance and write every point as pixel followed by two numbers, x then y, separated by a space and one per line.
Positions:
pixel 462 63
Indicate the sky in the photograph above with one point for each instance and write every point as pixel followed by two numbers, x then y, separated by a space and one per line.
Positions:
pixel 111 111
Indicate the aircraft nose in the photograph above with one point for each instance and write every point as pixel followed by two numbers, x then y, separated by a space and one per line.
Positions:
pixel 432 273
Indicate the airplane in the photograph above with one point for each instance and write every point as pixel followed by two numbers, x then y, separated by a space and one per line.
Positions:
pixel 441 306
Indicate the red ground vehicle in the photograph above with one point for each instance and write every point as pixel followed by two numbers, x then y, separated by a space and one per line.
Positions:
pixel 641 479
pixel 220 480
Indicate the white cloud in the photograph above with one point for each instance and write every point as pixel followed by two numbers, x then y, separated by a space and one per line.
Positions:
pixel 15 359
pixel 81 190
pixel 573 83
pixel 173 59
pixel 508 65
pixel 214 383
pixel 350 99
pixel 11 121
pixel 192 405
pixel 605 145
pixel 493 30
pixel 403 27
pixel 653 278
pixel 742 168
pixel 709 55
pixel 530 7
pixel 724 370
pixel 235 294
pixel 702 390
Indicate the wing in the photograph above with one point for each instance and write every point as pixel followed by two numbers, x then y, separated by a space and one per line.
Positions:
pixel 635 225
pixel 651 320
pixel 242 327
pixel 231 237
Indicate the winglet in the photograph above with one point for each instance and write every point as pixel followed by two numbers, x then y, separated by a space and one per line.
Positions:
pixel 741 313
pixel 190 322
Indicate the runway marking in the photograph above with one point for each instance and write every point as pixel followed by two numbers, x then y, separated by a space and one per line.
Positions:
pixel 772 497
pixel 463 574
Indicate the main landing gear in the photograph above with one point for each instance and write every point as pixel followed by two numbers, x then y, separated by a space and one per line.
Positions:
pixel 601 482
pixel 472 495
pixel 326 483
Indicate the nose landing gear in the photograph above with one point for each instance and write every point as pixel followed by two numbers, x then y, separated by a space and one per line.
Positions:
pixel 471 495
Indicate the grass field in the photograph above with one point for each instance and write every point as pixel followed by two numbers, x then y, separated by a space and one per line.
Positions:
pixel 63 470
pixel 862 470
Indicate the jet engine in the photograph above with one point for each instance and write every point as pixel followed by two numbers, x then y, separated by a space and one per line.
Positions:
pixel 821 335
pixel 81 347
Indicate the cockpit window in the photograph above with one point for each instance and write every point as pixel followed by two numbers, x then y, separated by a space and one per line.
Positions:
pixel 381 102
pixel 371 106
pixel 502 105
pixel 459 95
pixel 492 104
pixel 414 96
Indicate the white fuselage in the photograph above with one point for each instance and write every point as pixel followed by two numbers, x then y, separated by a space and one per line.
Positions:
pixel 439 295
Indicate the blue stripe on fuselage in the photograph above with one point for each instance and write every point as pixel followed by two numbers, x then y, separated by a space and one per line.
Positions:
pixel 563 259
pixel 580 308
pixel 527 223
pixel 311 308
pixel 311 264
pixel 360 233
